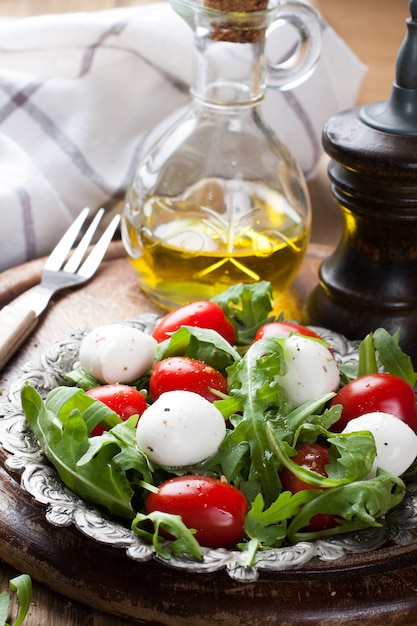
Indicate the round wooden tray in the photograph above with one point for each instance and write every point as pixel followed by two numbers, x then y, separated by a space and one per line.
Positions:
pixel 372 588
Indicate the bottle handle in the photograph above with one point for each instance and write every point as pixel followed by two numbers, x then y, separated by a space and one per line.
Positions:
pixel 296 68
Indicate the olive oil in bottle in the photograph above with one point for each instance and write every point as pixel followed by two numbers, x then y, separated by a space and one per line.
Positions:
pixel 245 232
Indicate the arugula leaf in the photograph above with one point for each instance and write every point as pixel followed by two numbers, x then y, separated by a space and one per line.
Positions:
pixel 81 379
pixel 309 413
pixel 380 351
pixel 233 458
pixel 22 585
pixel 129 457
pixel 246 456
pixel 4 607
pixel 393 359
pixel 357 505
pixel 184 542
pixel 268 526
pixel 351 456
pixel 251 381
pixel 62 401
pixel 199 343
pixel 62 434
pixel 248 307
pixel 367 361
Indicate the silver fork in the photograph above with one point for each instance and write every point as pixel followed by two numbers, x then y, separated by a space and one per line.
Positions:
pixel 61 271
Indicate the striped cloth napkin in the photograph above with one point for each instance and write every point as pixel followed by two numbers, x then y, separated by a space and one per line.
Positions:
pixel 80 93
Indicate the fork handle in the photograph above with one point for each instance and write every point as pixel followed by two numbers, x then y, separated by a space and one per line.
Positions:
pixel 16 324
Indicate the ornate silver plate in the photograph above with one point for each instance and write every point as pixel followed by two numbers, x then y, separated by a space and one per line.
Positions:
pixel 64 508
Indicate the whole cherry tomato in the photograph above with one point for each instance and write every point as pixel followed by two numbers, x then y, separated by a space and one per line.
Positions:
pixel 284 329
pixel 315 457
pixel 183 373
pixel 376 392
pixel 201 314
pixel 122 399
pixel 214 508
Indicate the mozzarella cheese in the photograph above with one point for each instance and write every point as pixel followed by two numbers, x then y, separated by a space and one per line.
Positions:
pixel 180 428
pixel 396 442
pixel 117 353
pixel 311 370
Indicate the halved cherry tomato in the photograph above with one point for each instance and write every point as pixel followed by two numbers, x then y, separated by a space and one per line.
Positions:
pixel 284 329
pixel 122 399
pixel 214 508
pixel 201 314
pixel 315 457
pixel 186 374
pixel 376 392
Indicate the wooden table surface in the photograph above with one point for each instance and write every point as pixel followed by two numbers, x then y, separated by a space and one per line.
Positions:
pixel 374 30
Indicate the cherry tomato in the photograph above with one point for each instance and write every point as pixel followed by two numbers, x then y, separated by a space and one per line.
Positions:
pixel 284 329
pixel 376 392
pixel 315 457
pixel 122 399
pixel 214 508
pixel 201 314
pixel 182 373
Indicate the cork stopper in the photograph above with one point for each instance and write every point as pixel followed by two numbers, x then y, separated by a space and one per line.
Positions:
pixel 237 29
pixel 399 113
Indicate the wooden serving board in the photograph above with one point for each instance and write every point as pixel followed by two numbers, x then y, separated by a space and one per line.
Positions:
pixel 78 581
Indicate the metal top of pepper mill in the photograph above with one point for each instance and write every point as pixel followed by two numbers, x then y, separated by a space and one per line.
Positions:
pixel 399 113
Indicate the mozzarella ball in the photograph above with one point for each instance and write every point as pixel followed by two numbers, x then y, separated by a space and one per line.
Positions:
pixel 312 370
pixel 396 442
pixel 117 353
pixel 180 428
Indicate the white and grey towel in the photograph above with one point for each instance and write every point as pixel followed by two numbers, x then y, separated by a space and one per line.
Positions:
pixel 80 92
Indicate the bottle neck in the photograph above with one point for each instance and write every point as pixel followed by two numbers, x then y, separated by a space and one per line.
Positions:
pixel 228 73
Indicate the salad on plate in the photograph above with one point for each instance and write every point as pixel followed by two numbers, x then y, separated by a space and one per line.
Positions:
pixel 227 427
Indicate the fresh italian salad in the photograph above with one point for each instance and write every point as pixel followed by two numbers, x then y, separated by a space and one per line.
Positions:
pixel 229 427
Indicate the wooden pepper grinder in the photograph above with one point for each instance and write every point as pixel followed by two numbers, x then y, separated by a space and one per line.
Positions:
pixel 370 280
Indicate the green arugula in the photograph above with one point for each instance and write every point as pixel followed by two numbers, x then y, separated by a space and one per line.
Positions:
pixel 182 543
pixel 248 307
pixel 246 456
pixel 267 526
pixel 22 586
pixel 351 458
pixel 91 468
pixel 201 344
pixel 380 351
pixel 357 505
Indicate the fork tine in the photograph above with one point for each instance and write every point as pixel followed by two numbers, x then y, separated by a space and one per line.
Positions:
pixel 18 321
pixel 78 254
pixel 95 257
pixel 64 245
